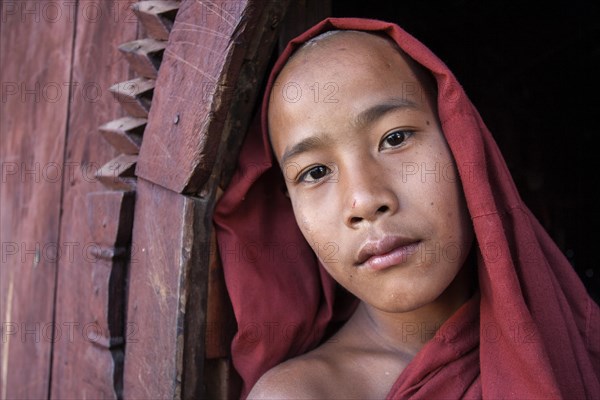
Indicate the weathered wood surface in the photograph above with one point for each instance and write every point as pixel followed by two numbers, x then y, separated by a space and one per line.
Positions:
pixel 222 381
pixel 118 173
pixel 220 320
pixel 135 95
pixel 96 221
pixel 166 307
pixel 156 16
pixel 204 96
pixel 144 55
pixel 212 67
pixel 220 378
pixel 33 110
pixel 91 332
pixel 124 134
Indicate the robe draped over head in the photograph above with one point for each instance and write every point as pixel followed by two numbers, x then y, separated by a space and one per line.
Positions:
pixel 530 332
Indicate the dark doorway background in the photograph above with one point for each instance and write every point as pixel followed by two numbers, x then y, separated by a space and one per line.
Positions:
pixel 532 72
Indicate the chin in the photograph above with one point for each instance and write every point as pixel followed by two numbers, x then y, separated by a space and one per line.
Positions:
pixel 396 305
pixel 411 297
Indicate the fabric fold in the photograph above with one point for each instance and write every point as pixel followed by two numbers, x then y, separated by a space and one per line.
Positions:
pixel 531 331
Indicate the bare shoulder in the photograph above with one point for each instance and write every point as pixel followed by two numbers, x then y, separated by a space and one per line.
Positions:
pixel 345 367
pixel 298 378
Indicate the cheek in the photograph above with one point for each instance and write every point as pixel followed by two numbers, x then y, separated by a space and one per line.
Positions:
pixel 457 230
pixel 305 226
pixel 305 218
pixel 440 186
pixel 320 233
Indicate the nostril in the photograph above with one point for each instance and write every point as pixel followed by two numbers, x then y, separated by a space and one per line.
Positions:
pixel 382 209
pixel 355 220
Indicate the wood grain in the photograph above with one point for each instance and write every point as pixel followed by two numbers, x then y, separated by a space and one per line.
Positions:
pixel 166 296
pixel 124 134
pixel 211 44
pixel 91 281
pixel 134 95
pixel 33 124
pixel 118 173
pixel 144 55
pixel 156 16
pixel 194 131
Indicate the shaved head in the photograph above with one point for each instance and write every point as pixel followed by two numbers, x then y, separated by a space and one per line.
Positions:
pixel 329 38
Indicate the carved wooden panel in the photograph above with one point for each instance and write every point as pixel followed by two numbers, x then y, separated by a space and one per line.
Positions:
pixel 135 95
pixel 157 17
pixel 166 295
pixel 109 203
pixel 205 92
pixel 207 85
pixel 96 221
pixel 124 134
pixel 144 55
pixel 173 341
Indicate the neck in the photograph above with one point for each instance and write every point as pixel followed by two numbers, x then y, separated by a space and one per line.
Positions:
pixel 408 332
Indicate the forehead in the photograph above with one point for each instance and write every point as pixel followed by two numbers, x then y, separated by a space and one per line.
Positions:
pixel 332 80
pixel 346 52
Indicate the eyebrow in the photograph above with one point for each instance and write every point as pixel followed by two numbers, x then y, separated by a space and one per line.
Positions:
pixel 310 143
pixel 363 119
pixel 377 111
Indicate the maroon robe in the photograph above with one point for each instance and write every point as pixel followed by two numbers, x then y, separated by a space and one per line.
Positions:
pixel 531 331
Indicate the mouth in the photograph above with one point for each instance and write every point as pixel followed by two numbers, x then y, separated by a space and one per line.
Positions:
pixel 386 252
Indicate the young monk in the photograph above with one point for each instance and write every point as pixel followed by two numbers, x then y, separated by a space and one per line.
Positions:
pixel 345 164
pixel 394 189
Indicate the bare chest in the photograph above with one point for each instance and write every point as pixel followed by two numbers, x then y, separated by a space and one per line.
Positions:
pixel 361 377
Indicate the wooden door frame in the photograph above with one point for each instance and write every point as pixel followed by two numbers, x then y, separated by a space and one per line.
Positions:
pixel 205 94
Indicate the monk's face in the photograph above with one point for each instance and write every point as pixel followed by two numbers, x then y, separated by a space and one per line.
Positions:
pixel 369 174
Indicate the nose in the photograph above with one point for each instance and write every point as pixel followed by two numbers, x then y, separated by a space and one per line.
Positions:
pixel 368 196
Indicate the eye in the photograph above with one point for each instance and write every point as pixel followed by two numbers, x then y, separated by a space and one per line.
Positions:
pixel 395 139
pixel 314 174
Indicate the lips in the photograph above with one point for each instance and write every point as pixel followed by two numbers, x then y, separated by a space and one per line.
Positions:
pixel 386 252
